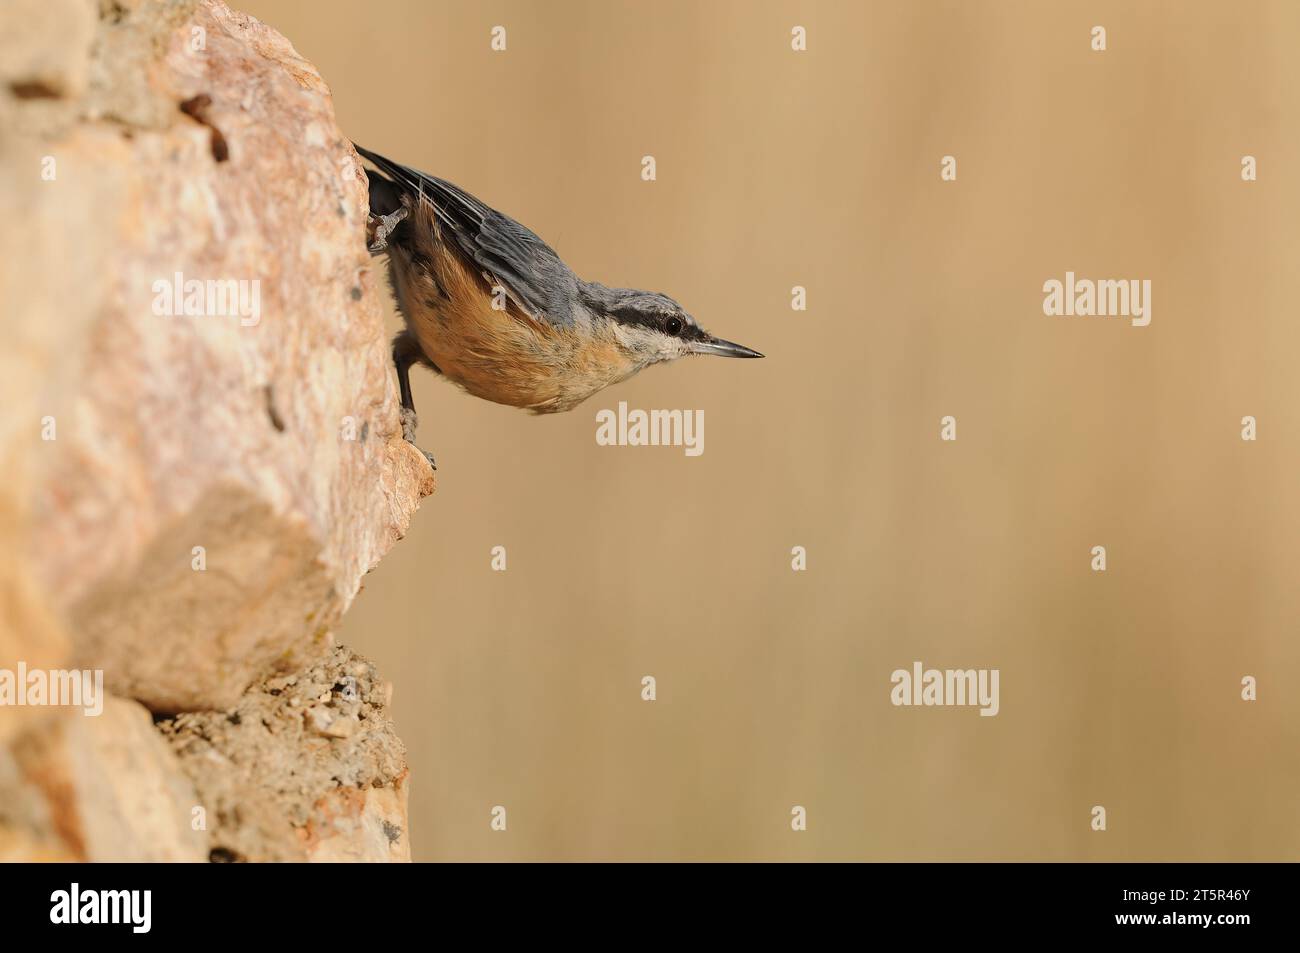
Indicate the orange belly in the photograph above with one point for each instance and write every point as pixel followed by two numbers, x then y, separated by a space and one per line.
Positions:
pixel 500 354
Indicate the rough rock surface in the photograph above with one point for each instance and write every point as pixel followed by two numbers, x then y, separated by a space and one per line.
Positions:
pixel 202 147
pixel 305 767
pixel 195 483
pixel 103 788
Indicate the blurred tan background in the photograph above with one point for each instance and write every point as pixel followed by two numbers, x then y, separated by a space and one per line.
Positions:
pixel 821 169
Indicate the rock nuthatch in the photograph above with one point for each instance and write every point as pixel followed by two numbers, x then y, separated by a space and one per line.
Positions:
pixel 491 307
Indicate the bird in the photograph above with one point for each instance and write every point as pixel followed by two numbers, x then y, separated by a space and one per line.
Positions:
pixel 491 307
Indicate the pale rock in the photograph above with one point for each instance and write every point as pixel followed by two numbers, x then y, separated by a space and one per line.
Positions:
pixel 45 47
pixel 97 788
pixel 274 446
pixel 286 777
pixel 366 826
pixel 145 139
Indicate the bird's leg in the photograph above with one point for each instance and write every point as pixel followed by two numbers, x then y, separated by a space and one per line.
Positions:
pixel 406 351
pixel 384 225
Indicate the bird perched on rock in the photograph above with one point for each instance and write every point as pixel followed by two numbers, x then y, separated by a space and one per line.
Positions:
pixel 491 306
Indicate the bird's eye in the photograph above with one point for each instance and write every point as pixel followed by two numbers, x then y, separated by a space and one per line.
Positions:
pixel 674 326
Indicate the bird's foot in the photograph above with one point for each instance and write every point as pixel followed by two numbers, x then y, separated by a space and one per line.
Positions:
pixel 409 422
pixel 384 225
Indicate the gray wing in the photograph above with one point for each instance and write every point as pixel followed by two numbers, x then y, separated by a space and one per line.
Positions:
pixel 529 268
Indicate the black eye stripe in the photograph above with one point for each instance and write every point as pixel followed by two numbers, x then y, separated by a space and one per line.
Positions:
pixel 656 321
pixel 633 316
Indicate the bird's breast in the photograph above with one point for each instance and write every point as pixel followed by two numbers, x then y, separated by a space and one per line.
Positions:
pixel 483 342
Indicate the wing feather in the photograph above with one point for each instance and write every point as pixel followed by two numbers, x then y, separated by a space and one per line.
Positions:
pixel 529 269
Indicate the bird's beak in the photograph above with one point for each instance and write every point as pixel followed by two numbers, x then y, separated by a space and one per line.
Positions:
pixel 723 348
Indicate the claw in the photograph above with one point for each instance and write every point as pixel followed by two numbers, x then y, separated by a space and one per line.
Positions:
pixel 384 225
pixel 409 422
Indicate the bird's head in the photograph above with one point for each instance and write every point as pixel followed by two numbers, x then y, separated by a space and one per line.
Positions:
pixel 651 328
